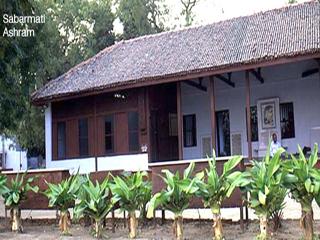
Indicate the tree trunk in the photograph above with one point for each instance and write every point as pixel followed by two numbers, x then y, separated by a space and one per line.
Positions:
pixel 178 227
pixel 65 222
pixel 16 225
pixel 97 229
pixel 217 227
pixel 263 227
pixel 306 223
pixel 133 225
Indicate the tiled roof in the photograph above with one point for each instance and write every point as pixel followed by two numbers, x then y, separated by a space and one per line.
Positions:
pixel 265 36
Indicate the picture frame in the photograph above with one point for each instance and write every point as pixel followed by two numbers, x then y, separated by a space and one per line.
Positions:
pixel 268 115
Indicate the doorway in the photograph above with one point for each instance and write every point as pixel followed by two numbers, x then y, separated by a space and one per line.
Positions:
pixel 223 133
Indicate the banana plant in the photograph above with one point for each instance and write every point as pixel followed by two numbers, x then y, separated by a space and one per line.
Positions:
pixel 62 196
pixel 264 182
pixel 95 201
pixel 214 189
pixel 303 181
pixel 129 190
pixel 176 196
pixel 14 193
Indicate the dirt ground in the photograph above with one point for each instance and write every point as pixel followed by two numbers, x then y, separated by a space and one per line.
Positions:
pixel 47 230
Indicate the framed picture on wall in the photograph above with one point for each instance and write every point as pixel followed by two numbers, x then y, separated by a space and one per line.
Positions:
pixel 268 115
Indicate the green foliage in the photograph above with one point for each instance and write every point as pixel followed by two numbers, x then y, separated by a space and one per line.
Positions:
pixel 187 10
pixel 94 200
pixel 3 182
pixel 303 178
pixel 17 189
pixel 73 31
pixel 63 195
pixel 264 182
pixel 176 196
pixel 276 210
pixel 141 17
pixel 214 188
pixel 131 190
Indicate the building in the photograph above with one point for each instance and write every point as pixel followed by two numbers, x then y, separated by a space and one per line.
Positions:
pixel 176 95
pixel 14 156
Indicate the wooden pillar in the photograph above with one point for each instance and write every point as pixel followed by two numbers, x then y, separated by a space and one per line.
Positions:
pixel 248 112
pixel 95 137
pixel 180 122
pixel 212 112
pixel 147 115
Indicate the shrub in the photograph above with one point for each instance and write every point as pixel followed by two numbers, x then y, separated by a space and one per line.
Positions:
pixel 95 201
pixel 263 183
pixel 176 196
pixel 131 191
pixel 15 192
pixel 303 181
pixel 214 189
pixel 62 196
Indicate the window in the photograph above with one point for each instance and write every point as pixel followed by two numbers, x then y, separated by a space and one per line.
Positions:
pixel 109 133
pixel 83 137
pixel 287 120
pixel 189 130
pixel 254 123
pixel 61 140
pixel 133 127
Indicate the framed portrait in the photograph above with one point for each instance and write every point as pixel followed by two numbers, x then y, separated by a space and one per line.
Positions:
pixel 268 115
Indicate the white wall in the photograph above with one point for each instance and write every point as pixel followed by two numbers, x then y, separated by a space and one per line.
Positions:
pixel 131 162
pixel 85 165
pixel 283 81
pixel 13 157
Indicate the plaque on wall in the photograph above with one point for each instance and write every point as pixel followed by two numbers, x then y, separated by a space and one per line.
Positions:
pixel 269 122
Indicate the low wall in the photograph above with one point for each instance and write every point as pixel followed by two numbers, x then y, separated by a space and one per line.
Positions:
pixel 158 183
pixel 38 200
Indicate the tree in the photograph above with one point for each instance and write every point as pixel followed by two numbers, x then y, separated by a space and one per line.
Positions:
pixel 264 182
pixel 129 190
pixel 303 181
pixel 16 191
pixel 62 196
pixel 176 196
pixel 214 189
pixel 187 10
pixel 141 17
pixel 73 31
pixel 95 201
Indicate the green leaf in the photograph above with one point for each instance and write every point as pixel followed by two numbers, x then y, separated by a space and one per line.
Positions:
pixel 262 198
pixel 308 185
pixel 231 164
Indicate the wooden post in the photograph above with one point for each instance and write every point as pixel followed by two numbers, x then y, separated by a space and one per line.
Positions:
pixel 163 216
pixel 113 221
pixel 248 112
pixel 212 112
pixel 180 123
pixel 147 115
pixel 95 135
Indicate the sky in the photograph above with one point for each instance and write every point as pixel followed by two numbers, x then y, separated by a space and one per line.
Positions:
pixel 209 11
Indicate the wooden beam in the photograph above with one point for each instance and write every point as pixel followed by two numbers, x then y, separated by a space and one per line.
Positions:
pixel 180 122
pixel 196 85
pixel 226 80
pixel 248 113
pixel 309 72
pixel 257 74
pixel 212 112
